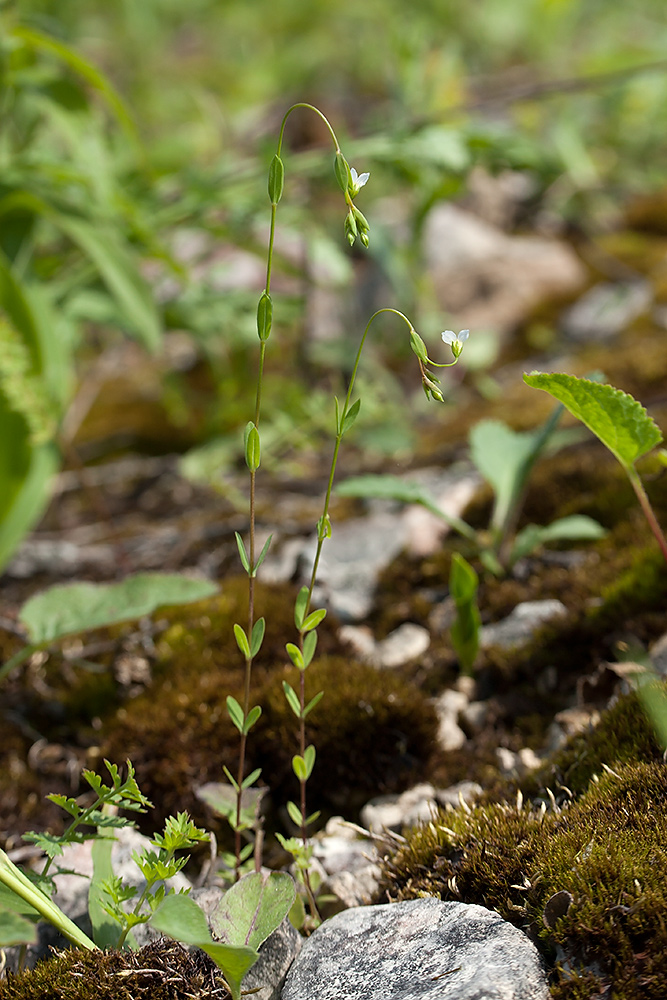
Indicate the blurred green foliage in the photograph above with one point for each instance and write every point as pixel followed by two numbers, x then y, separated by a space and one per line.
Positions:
pixel 137 131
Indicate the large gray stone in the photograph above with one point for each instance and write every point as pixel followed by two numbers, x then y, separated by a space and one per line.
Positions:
pixel 417 950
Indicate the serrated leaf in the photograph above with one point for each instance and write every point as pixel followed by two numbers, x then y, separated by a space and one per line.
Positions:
pixel 77 607
pixel 615 417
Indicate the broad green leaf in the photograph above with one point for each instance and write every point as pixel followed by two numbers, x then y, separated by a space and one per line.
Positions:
pixel 501 455
pixel 105 930
pixel 15 929
pixel 253 908
pixel 181 918
pixel 615 417
pixel 299 767
pixel 222 799
pixel 77 607
pixel 576 527
pixel 393 488
pixel 295 814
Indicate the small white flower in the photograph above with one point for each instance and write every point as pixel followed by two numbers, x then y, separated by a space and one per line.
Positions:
pixel 358 181
pixel 455 340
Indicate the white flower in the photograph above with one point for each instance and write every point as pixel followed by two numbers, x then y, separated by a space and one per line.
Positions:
pixel 455 340
pixel 358 181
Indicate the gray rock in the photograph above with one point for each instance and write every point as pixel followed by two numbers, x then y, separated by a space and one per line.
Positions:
pixel 405 643
pixel 521 624
pixel 448 706
pixel 417 805
pixel 276 955
pixel 606 309
pixel 417 950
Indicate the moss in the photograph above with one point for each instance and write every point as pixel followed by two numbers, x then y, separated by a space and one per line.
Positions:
pixel 179 736
pixel 606 847
pixel 373 733
pixel 162 970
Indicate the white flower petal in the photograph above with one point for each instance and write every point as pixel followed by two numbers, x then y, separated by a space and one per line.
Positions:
pixel 353 173
pixel 361 180
pixel 464 334
pixel 448 336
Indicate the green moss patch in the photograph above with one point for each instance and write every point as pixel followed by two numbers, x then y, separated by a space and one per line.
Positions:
pixel 162 970
pixel 603 849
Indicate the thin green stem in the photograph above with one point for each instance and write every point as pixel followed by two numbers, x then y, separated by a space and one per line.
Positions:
pixel 252 490
pixel 645 505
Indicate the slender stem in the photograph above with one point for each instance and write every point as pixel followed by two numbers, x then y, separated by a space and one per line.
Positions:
pixel 252 492
pixel 645 505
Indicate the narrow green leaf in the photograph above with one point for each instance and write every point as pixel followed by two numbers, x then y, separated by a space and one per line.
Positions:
pixel 230 777
pixel 262 555
pixel 257 637
pixel 264 316
pixel 252 447
pixel 313 620
pixel 312 703
pixel 342 172
pixel 295 655
pixel 309 644
pixel 242 641
pixel 313 816
pixel 292 699
pixel 235 712
pixel 463 580
pixel 418 346
pixel 615 417
pixel 77 607
pixel 253 716
pixel 242 553
pixel 276 179
pixel 394 488
pixel 576 527
pixel 295 814
pixel 309 759
pixel 299 767
pixel 105 930
pixel 251 778
pixel 351 416
pixel 300 607
pixel 338 425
